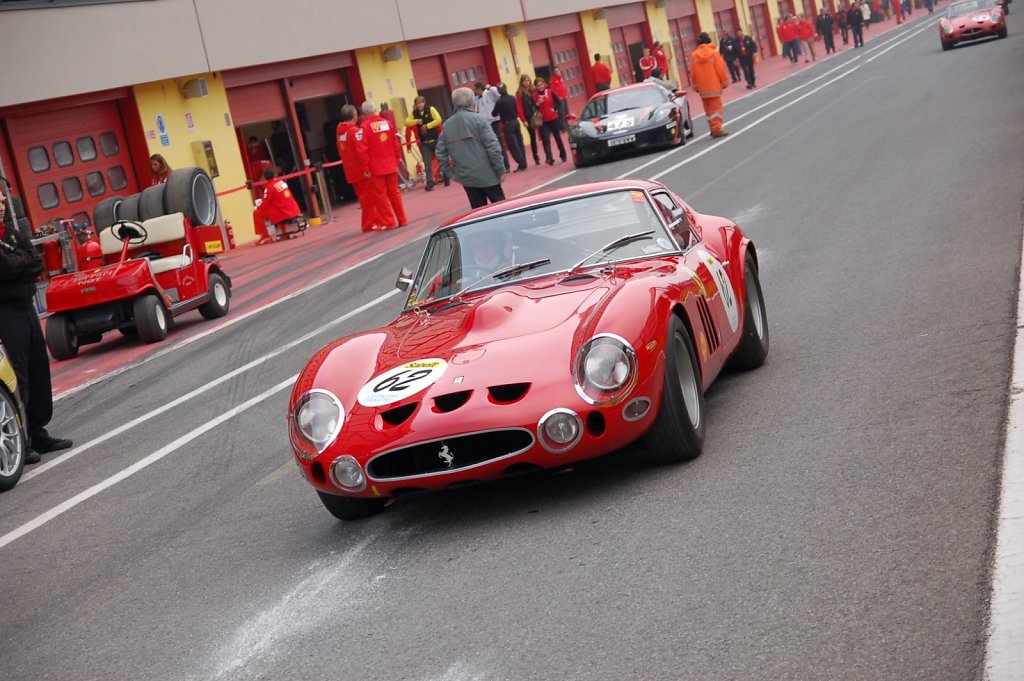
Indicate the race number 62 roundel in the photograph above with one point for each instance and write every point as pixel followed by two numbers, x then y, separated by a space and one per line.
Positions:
pixel 398 383
pixel 724 288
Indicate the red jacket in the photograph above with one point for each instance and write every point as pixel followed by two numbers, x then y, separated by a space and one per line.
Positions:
pixel 659 56
pixel 805 29
pixel 601 72
pixel 351 151
pixel 787 31
pixel 545 104
pixel 558 85
pixel 648 64
pixel 382 145
pixel 278 203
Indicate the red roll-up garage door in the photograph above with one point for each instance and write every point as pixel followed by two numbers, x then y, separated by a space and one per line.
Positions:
pixel 257 103
pixel 763 29
pixel 466 67
pixel 684 31
pixel 71 159
pixel 627 25
pixel 314 85
pixel 726 22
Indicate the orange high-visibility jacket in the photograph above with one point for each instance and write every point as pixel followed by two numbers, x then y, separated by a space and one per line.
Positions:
pixel 707 71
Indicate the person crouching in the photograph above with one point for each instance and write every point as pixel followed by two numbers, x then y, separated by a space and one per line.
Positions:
pixel 277 206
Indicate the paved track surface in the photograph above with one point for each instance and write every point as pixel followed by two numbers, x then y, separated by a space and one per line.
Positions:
pixel 838 526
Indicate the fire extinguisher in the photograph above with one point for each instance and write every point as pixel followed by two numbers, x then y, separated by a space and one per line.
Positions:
pixel 231 234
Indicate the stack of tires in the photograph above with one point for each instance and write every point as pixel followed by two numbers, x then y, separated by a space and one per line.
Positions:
pixel 187 190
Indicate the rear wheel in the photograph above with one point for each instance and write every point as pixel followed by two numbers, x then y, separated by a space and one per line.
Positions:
pixel 61 337
pixel 754 347
pixel 678 430
pixel 351 508
pixel 190 191
pixel 150 318
pixel 13 442
pixel 219 298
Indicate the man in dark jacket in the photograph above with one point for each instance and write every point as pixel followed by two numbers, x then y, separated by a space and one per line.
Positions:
pixel 469 152
pixel 729 47
pixel 507 111
pixel 746 48
pixel 855 19
pixel 825 25
pixel 21 335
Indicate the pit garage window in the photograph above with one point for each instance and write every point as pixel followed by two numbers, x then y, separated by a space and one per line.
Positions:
pixel 86 149
pixel 38 159
pixel 118 178
pixel 95 184
pixel 109 144
pixel 48 197
pixel 63 155
pixel 72 187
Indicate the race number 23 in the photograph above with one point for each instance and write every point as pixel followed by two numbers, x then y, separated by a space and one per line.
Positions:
pixel 724 288
pixel 400 382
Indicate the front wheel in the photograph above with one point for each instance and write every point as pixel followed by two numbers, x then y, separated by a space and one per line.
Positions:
pixel 754 347
pixel 946 46
pixel 689 124
pixel 1002 33
pixel 61 337
pixel 219 298
pixel 678 430
pixel 13 442
pixel 150 318
pixel 351 508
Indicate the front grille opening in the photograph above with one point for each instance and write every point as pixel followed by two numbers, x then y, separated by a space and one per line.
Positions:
pixel 452 401
pixel 398 415
pixel 521 469
pixel 595 423
pixel 449 454
pixel 318 472
pixel 508 393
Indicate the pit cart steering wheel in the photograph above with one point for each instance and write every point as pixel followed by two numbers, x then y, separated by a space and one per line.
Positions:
pixel 131 231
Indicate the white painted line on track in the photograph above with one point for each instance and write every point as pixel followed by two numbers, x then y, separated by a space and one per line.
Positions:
pixel 1004 652
pixel 39 469
pixel 125 473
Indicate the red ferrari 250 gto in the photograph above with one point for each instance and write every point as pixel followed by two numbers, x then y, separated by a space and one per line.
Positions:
pixel 537 332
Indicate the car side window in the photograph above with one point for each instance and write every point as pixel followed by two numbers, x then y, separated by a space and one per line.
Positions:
pixel 675 218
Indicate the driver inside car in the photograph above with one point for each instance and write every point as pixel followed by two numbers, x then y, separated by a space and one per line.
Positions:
pixel 487 251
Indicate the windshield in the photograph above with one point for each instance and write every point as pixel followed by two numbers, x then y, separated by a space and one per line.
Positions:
pixel 634 98
pixel 960 9
pixel 541 240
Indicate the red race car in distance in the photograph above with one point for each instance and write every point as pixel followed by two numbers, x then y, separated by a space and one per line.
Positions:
pixel 537 332
pixel 970 20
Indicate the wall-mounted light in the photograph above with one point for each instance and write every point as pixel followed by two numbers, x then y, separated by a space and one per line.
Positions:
pixel 393 53
pixel 600 13
pixel 511 31
pixel 194 88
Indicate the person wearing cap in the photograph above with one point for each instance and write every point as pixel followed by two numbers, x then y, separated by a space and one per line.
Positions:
pixel 709 77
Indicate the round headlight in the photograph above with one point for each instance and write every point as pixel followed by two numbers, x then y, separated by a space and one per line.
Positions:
pixel 948 28
pixel 605 370
pixel 661 114
pixel 318 415
pixel 348 474
pixel 559 430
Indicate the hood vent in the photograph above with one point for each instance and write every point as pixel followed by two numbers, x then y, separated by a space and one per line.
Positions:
pixel 398 415
pixel 452 401
pixel 508 393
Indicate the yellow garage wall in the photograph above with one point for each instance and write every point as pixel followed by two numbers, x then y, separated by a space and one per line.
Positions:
pixel 657 18
pixel 211 121
pixel 512 51
pixel 706 17
pixel 598 40
pixel 388 81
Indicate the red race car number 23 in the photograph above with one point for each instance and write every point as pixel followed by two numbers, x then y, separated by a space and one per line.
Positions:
pixel 398 383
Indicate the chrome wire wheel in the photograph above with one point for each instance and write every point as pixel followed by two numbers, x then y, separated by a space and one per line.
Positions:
pixel 12 443
pixel 688 384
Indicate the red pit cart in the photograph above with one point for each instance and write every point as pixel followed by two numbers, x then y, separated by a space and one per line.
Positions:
pixel 161 268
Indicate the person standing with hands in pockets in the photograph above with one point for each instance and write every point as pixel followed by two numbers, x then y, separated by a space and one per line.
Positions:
pixel 469 151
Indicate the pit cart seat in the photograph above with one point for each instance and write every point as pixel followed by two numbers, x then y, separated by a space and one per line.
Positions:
pixel 159 230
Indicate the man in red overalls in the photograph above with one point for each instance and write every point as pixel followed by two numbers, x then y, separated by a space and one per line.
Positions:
pixel 352 152
pixel 278 205
pixel 382 151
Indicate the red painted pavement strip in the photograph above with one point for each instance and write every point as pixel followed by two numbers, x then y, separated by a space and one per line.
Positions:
pixel 263 274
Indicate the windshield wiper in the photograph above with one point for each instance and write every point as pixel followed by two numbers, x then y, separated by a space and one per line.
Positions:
pixel 611 246
pixel 501 274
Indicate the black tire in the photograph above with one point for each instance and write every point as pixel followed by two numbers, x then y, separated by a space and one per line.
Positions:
pixel 689 124
pixel 754 347
pixel 1002 33
pixel 945 45
pixel 151 202
pixel 351 508
pixel 61 337
pixel 13 441
pixel 128 209
pixel 220 297
pixel 151 319
pixel 190 191
pixel 678 430
pixel 105 213
pixel 128 331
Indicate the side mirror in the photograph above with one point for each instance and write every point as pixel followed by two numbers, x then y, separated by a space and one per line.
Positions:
pixel 404 280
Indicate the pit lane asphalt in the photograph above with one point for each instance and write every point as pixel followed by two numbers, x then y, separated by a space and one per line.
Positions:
pixel 838 525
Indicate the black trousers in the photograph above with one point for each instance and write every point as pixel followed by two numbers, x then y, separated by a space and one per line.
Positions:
pixel 830 42
pixel 734 69
pixel 496 127
pixel 748 70
pixel 478 196
pixel 25 345
pixel 858 35
pixel 548 130
pixel 514 141
pixel 532 131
